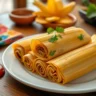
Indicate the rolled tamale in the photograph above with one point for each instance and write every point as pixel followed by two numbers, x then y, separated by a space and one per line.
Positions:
pixel 21 48
pixel 72 38
pixel 72 65
pixel 40 67
pixel 28 61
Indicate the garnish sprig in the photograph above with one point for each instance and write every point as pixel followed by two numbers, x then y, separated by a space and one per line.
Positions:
pixel 50 30
pixel 55 37
pixel 81 37
pixel 52 52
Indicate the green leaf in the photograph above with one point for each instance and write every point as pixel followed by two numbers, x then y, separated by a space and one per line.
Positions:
pixel 53 39
pixel 92 15
pixel 59 29
pixel 50 30
pixel 81 37
pixel 52 53
pixel 86 2
pixel 91 11
pixel 59 36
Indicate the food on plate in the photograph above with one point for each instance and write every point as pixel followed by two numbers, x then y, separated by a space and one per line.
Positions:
pixel 55 12
pixel 35 64
pixel 40 67
pixel 72 65
pixel 23 47
pixel 28 60
pixel 60 55
pixel 60 42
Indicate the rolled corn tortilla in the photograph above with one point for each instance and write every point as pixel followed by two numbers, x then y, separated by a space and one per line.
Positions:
pixel 34 64
pixel 40 67
pixel 72 65
pixel 28 61
pixel 21 48
pixel 68 42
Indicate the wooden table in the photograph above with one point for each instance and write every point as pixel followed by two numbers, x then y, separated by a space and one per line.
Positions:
pixel 11 87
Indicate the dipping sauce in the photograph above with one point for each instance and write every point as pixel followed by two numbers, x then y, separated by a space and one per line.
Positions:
pixel 2 71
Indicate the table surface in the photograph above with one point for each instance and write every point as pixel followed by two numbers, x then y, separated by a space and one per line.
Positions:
pixel 11 87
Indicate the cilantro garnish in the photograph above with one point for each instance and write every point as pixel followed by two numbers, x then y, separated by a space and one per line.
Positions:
pixel 55 36
pixel 59 29
pixel 53 39
pixel 50 30
pixel 52 53
pixel 81 37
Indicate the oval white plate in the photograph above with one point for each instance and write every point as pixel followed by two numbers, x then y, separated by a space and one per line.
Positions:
pixel 84 84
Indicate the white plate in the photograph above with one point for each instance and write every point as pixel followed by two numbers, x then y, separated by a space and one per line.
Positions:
pixel 84 84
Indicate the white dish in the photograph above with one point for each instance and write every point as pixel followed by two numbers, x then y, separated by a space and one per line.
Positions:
pixel 84 84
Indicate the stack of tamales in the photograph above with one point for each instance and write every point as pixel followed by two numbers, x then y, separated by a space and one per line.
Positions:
pixel 62 61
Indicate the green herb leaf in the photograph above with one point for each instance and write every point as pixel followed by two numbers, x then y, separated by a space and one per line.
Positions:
pixel 59 36
pixel 59 29
pixel 0 38
pixel 50 30
pixel 53 39
pixel 91 11
pixel 81 37
pixel 52 53
pixel 86 2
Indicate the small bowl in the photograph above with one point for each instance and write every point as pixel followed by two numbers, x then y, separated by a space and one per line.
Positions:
pixel 22 16
pixel 91 21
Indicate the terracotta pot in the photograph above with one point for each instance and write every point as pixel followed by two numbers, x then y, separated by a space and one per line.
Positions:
pixel 22 16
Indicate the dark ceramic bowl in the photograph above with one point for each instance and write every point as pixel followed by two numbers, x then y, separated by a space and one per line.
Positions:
pixel 91 21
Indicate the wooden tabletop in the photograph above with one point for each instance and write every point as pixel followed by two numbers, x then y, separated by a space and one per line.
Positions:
pixel 11 87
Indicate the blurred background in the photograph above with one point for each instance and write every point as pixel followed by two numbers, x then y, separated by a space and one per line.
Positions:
pixel 9 5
